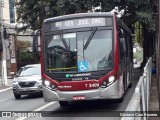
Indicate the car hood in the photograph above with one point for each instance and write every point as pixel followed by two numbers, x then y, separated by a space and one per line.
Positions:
pixel 28 78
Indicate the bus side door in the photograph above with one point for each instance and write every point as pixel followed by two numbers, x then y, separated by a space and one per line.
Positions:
pixel 123 58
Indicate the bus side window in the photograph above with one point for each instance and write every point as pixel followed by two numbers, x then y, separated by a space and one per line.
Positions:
pixel 122 45
pixel 122 48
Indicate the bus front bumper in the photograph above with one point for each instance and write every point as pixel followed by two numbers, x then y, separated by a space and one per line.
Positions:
pixel 111 92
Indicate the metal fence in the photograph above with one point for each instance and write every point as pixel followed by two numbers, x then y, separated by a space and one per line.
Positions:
pixel 138 106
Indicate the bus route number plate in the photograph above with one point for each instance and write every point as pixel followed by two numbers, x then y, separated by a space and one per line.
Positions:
pixel 79 97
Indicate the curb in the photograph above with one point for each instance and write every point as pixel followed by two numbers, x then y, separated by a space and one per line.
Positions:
pixel 5 89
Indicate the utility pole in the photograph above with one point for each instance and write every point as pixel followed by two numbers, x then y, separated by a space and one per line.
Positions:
pixel 4 69
pixel 158 56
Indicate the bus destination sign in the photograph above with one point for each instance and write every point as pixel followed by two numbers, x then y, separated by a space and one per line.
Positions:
pixel 78 23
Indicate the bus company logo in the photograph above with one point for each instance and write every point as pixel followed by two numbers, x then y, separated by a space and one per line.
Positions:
pixel 69 75
pixel 64 86
pixel 82 74
pixel 77 79
pixel 77 75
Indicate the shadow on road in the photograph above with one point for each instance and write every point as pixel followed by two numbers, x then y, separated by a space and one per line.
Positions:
pixel 32 96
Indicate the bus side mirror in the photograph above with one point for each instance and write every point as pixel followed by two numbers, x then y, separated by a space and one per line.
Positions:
pixel 120 33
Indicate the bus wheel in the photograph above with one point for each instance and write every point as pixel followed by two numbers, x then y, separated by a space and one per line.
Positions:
pixel 63 103
pixel 122 93
pixel 130 85
pixel 120 100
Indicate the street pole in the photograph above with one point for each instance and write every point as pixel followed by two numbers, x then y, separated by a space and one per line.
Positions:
pixel 158 52
pixel 4 69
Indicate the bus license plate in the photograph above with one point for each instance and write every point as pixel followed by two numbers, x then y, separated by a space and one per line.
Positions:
pixel 79 97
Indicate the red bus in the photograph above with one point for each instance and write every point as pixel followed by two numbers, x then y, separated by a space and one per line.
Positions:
pixel 85 56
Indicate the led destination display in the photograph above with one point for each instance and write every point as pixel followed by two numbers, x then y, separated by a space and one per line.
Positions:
pixel 78 23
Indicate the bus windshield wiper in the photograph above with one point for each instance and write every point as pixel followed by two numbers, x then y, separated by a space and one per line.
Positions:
pixel 63 41
pixel 90 38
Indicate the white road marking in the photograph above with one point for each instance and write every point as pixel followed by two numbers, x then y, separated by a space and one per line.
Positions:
pixel 3 100
pixel 5 89
pixel 38 109
pixel 45 106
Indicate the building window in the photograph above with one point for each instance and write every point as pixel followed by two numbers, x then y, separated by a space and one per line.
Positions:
pixel 11 11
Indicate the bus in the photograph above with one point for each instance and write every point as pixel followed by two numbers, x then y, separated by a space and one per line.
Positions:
pixel 85 56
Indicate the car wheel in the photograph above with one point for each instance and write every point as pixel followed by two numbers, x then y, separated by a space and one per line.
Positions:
pixel 63 103
pixel 17 96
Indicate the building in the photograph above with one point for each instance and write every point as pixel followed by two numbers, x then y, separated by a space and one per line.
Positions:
pixel 7 19
pixel 9 11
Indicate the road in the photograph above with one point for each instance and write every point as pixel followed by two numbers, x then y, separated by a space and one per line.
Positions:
pixel 93 110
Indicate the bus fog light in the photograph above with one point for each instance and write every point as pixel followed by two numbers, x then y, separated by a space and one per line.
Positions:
pixel 104 84
pixel 53 86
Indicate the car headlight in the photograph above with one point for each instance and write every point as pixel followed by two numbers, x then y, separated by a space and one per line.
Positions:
pixel 39 81
pixel 15 81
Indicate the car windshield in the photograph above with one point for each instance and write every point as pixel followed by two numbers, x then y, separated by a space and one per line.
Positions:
pixel 85 51
pixel 30 70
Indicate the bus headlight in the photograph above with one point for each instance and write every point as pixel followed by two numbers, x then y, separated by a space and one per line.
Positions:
pixel 46 83
pixel 108 82
pixel 50 85
pixel 111 79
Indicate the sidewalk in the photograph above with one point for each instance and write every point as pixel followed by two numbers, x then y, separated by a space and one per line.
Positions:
pixel 9 83
pixel 153 102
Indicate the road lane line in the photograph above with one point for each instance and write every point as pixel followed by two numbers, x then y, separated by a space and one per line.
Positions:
pixel 38 109
pixel 3 100
pixel 5 89
pixel 45 106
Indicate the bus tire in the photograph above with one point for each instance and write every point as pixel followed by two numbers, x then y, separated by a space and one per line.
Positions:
pixel 130 85
pixel 63 103
pixel 131 77
pixel 17 96
pixel 120 100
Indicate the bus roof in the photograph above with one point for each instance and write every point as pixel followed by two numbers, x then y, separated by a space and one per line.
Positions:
pixel 79 15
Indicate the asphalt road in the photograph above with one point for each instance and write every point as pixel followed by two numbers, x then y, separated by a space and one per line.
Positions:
pixel 90 110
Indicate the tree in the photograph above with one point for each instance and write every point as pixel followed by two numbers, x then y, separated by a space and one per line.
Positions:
pixel 22 45
pixel 32 12
pixel 138 33
pixel 146 15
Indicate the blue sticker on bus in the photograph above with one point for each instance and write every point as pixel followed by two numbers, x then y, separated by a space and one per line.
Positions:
pixel 82 66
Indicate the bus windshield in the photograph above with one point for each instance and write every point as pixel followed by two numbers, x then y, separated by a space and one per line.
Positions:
pixel 73 56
